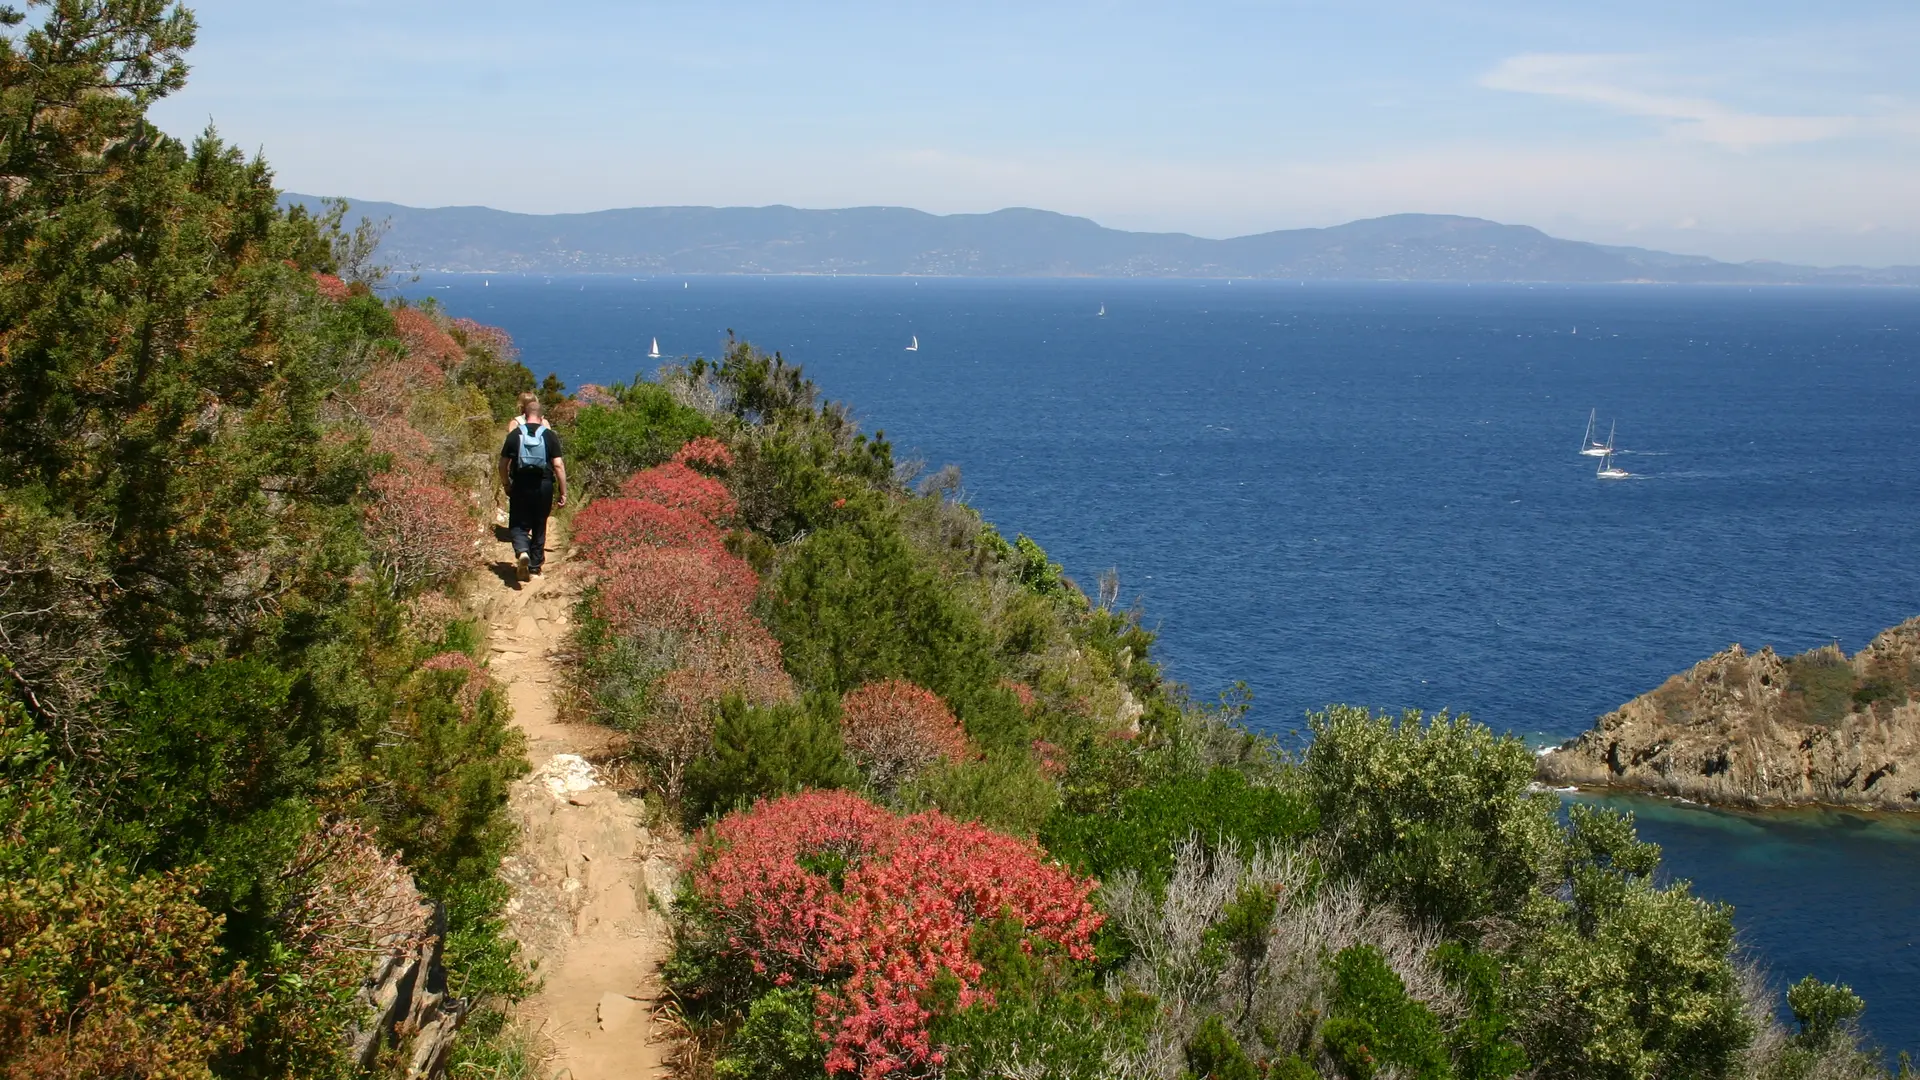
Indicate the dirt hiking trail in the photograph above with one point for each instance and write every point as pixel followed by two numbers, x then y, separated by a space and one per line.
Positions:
pixel 590 881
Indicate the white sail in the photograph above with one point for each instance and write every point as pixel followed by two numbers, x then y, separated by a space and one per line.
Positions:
pixel 1103 310
pixel 655 354
pixel 1590 446
pixel 915 347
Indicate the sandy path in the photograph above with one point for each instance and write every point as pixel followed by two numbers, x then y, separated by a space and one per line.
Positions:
pixel 586 863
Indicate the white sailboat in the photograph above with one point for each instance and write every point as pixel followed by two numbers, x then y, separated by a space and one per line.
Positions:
pixel 1609 471
pixel 655 354
pixel 915 347
pixel 1103 311
pixel 1592 447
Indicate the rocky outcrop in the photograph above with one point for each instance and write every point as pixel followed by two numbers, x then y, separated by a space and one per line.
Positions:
pixel 406 1004
pixel 1759 729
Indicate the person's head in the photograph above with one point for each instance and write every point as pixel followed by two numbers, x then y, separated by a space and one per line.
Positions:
pixel 530 406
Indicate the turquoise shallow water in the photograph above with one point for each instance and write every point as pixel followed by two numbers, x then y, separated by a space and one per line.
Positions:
pixel 1370 494
pixel 1824 892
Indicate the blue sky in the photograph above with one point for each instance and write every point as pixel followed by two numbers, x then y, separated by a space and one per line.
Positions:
pixel 1736 128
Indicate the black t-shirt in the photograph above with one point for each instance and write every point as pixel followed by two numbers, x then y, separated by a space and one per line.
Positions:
pixel 511 451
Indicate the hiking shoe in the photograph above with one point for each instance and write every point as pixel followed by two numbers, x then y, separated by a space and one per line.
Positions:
pixel 523 566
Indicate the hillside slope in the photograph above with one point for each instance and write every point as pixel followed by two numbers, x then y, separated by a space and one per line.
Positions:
pixel 1031 243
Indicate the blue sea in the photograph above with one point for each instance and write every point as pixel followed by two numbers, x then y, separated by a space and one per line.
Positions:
pixel 1371 493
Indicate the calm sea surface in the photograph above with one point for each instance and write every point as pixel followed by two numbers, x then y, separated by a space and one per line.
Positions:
pixel 1371 494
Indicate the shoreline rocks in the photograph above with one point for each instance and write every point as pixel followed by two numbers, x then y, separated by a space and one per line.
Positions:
pixel 1762 730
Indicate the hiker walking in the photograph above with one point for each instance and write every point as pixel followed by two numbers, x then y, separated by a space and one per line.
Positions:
pixel 533 473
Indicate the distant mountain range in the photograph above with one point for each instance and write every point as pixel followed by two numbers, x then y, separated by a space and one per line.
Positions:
pixel 1034 243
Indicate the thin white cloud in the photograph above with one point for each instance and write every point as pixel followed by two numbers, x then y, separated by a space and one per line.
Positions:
pixel 1617 82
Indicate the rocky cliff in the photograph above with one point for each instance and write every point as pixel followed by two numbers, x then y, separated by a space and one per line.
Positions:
pixel 1759 729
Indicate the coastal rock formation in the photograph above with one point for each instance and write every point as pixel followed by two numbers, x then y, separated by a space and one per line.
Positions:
pixel 1759 729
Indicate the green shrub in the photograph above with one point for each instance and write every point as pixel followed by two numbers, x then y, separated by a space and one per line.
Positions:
pixel 1820 686
pixel 853 604
pixel 1371 1022
pixel 1049 1016
pixel 1434 816
pixel 612 442
pixel 1628 980
pixel 1480 1044
pixel 1214 1054
pixel 1822 1010
pixel 501 381
pixel 443 782
pixel 1005 790
pixel 759 752
pixel 777 1042
pixel 1140 834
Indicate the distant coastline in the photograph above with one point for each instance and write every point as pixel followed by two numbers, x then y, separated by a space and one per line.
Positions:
pixel 895 242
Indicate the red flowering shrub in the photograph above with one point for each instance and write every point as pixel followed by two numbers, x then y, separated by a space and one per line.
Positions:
pixel 592 394
pixel 707 454
pixel 477 678
pixel 410 448
pixel 679 589
pixel 1021 691
pixel 420 532
pixel 676 486
pixel 330 287
pixel 389 388
pixel 909 894
pixel 491 340
pixel 894 729
pixel 608 528
pixel 1050 759
pixel 427 340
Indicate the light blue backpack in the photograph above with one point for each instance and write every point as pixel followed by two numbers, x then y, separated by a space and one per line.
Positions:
pixel 533 450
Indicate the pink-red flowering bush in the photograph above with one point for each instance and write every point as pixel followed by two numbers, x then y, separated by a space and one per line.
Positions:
pixel 590 395
pixel 420 533
pixel 822 885
pixel 491 340
pixel 426 339
pixel 477 678
pixel 330 287
pixel 707 454
pixel 409 448
pixel 681 589
pixel 894 729
pixel 609 528
pixel 676 486
pixel 387 391
pixel 1021 692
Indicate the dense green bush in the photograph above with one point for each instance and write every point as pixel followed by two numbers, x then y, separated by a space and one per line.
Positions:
pixel 1822 1009
pixel 1004 789
pixel 758 752
pixel 1628 980
pixel 612 442
pixel 777 1042
pixel 1214 1054
pixel 1048 1017
pixel 1433 815
pixel 1139 835
pixel 1373 1024
pixel 854 604
pixel 1481 1045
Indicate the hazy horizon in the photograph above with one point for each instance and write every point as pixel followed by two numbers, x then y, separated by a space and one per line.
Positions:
pixel 1728 129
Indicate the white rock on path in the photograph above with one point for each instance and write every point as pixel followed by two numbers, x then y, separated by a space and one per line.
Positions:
pixel 564 774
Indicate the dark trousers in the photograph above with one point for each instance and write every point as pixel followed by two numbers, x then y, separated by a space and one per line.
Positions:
pixel 527 511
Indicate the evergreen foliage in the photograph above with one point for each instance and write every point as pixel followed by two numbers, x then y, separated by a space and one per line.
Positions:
pixel 212 663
